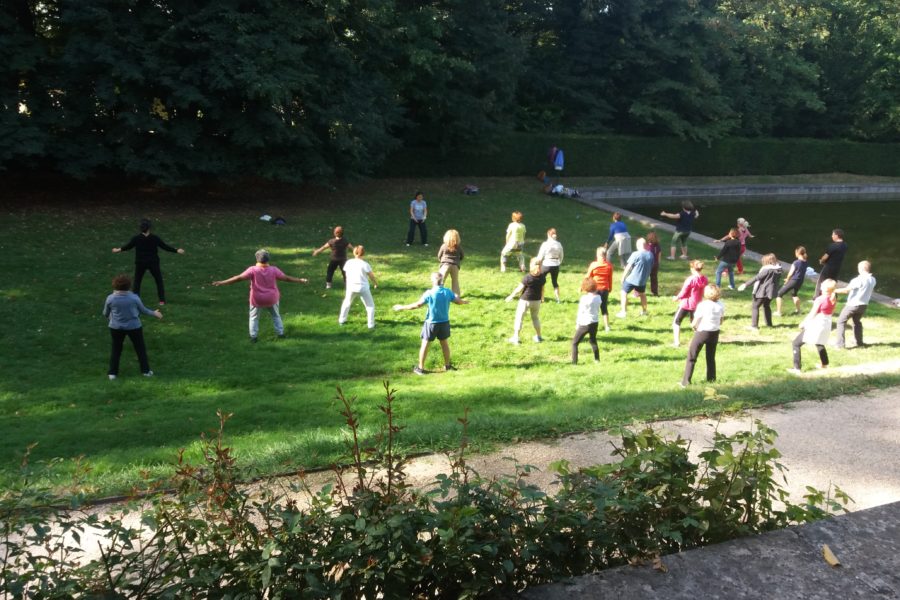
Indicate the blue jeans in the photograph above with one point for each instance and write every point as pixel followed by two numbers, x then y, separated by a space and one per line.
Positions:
pixel 423 231
pixel 722 266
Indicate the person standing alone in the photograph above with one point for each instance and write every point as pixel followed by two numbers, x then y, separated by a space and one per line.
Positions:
pixel 418 212
pixel 146 258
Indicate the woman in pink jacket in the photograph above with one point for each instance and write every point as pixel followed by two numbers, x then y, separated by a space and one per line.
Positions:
pixel 688 298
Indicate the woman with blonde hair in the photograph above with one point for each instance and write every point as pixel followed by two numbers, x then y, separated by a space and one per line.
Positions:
pixel 450 255
pixel 358 273
pixel 816 327
pixel 531 294
pixel 551 255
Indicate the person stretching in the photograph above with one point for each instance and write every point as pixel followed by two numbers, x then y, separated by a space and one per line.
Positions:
pixel 601 271
pixel 707 321
pixel 832 260
pixel 816 327
pixel 619 239
pixel 764 285
pixel 728 257
pixel 860 291
pixel 531 294
pixel 685 222
pixel 146 258
pixel 551 257
pixel 124 308
pixel 588 318
pixel 358 273
pixel 794 280
pixel 339 246
pixel 450 256
pixel 688 298
pixel 437 320
pixel 264 292
pixel 635 276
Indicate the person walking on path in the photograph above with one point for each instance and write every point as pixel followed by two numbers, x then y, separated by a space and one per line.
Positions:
pixel 531 293
pixel 587 319
pixel 339 246
pixel 601 271
pixel 264 292
pixel 635 276
pixel 450 256
pixel 654 248
pixel 418 212
pixel 816 327
pixel 437 320
pixel 551 256
pixel 684 223
pixel 688 298
pixel 795 277
pixel 728 257
pixel 859 292
pixel 764 285
pixel 619 239
pixel 515 242
pixel 146 258
pixel 124 308
pixel 706 323
pixel 359 272
pixel 832 260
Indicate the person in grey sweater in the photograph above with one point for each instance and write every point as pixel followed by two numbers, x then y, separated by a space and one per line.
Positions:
pixel 765 284
pixel 123 308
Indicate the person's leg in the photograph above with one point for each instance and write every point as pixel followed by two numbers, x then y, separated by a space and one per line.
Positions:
pixel 254 322
pixel 857 316
pixel 521 254
pixel 592 339
pixel 139 270
pixel 276 320
pixel 423 233
pixel 554 277
pixel 329 274
pixel 754 312
pixel 731 276
pixel 345 306
pixel 654 280
pixel 823 355
pixel 157 277
pixel 623 301
pixel 693 352
pixel 118 339
pixel 369 303
pixel 712 340
pixel 841 325
pixel 719 269
pixel 423 352
pixel 680 314
pixel 445 349
pixel 643 298
pixel 740 263
pixel 137 340
pixel 795 349
pixel 767 310
pixel 411 232
pixel 521 307
pixel 796 299
pixel 580 332
pixel 534 307
pixel 453 271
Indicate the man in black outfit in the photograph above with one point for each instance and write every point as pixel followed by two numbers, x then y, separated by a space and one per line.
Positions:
pixel 832 259
pixel 146 258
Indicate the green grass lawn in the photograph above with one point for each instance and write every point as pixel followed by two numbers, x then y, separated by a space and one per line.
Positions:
pixel 57 267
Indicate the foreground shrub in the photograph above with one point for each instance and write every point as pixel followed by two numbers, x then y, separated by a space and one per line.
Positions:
pixel 370 534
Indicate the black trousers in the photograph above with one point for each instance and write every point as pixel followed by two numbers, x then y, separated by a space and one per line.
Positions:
pixel 118 341
pixel 554 274
pixel 333 266
pixel 766 304
pixel 140 269
pixel 580 332
pixel 856 314
pixel 411 234
pixel 710 339
pixel 798 343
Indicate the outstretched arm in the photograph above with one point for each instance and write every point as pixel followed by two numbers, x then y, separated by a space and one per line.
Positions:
pixel 459 300
pixel 668 215
pixel 516 292
pixel 294 279
pixel 323 248
pixel 228 281
pixel 412 306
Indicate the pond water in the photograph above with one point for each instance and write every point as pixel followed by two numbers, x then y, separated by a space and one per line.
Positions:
pixel 870 229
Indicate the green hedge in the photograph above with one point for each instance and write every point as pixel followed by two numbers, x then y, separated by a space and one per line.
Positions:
pixel 594 156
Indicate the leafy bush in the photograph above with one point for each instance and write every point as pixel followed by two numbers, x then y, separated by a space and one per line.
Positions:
pixel 370 534
pixel 612 155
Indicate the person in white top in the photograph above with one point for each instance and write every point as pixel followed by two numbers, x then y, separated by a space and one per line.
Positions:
pixel 358 273
pixel 588 319
pixel 707 320
pixel 860 292
pixel 551 256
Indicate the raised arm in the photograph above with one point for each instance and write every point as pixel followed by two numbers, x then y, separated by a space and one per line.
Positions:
pixel 228 281
pixel 323 248
pixel 412 306
pixel 668 215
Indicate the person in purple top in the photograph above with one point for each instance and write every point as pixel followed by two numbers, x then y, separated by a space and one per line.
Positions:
pixel 635 276
pixel 146 258
pixel 264 293
pixel 124 308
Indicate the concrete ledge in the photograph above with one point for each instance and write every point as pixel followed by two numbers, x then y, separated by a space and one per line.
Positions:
pixel 782 565
pixel 636 196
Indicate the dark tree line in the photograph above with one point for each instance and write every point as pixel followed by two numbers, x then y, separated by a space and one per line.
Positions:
pixel 320 89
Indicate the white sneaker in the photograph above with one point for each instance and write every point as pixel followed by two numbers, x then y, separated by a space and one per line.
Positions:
pixel 112 377
pixel 607 328
pixel 327 286
pixel 513 340
pixel 794 371
pixel 148 374
pixel 621 314
pixel 753 329
pixel 644 313
pixel 776 314
pixel 538 339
